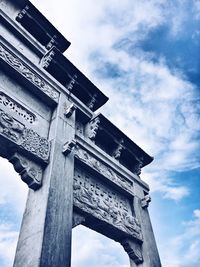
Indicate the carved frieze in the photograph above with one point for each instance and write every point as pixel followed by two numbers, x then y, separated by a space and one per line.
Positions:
pixel 27 72
pixel 99 200
pixel 30 172
pixel 25 138
pixel 12 105
pixel 133 249
pixel 109 173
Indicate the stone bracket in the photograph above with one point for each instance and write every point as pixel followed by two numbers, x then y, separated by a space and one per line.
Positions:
pixel 145 201
pixel 133 249
pixel 77 219
pixel 68 147
pixel 30 172
pixel 92 129
pixel 69 110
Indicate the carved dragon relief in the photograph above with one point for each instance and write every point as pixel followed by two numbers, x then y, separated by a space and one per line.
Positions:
pixel 27 72
pixel 110 174
pixel 25 138
pixel 96 199
pixel 30 172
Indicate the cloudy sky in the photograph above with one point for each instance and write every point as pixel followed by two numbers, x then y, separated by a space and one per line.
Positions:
pixel 145 56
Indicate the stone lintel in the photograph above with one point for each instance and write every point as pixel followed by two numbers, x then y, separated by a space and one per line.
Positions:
pixel 102 156
pixel 13 63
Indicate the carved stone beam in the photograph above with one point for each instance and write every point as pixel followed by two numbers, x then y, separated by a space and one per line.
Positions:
pixel 134 250
pixel 27 72
pixel 68 147
pixel 145 201
pixel 77 219
pixel 92 128
pixel 23 138
pixel 30 172
pixel 70 110
pixel 117 153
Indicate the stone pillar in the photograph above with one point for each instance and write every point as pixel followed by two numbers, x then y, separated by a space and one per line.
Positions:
pixel 45 236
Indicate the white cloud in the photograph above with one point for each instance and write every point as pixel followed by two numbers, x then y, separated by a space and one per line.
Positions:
pixel 92 249
pixel 183 250
pixel 8 241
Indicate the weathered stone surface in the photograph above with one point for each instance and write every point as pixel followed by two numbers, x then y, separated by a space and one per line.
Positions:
pixel 90 173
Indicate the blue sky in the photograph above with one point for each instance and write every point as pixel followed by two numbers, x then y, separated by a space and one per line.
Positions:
pixel 145 55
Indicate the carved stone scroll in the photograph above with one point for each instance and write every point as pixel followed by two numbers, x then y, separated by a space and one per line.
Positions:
pixel 30 172
pixel 133 249
pixel 109 173
pixel 102 202
pixel 25 138
pixel 13 106
pixel 7 56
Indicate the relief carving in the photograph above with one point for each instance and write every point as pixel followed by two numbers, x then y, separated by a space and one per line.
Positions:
pixel 92 102
pixel 145 201
pixel 97 199
pixel 25 138
pixel 16 108
pixel 30 172
pixel 26 72
pixel 84 156
pixel 133 249
pixel 118 151
pixel 92 128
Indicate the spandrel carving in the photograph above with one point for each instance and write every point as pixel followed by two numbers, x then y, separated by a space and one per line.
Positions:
pixel 11 105
pixel 30 172
pixel 99 200
pixel 133 249
pixel 23 137
pixel 27 72
pixel 108 172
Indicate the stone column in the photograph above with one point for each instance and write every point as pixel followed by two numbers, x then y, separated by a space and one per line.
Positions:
pixel 45 236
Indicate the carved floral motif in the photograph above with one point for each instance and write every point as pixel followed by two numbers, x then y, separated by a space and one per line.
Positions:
pixel 25 138
pixel 18 109
pixel 26 71
pixel 84 156
pixel 100 201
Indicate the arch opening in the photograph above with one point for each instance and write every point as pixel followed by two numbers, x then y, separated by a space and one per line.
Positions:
pixel 90 248
pixel 13 194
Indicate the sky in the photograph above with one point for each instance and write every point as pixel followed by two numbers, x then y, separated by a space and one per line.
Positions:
pixel 145 56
